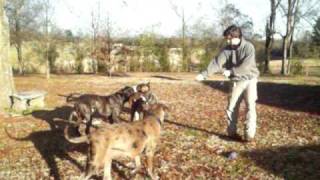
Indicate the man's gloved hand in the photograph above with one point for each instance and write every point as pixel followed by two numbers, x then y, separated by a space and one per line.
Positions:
pixel 227 73
pixel 200 77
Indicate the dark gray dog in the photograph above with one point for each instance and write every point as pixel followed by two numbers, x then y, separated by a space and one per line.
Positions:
pixel 107 108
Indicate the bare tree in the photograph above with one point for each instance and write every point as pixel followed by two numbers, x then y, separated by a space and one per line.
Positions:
pixel 47 22
pixel 6 79
pixel 291 10
pixel 108 29
pixel 95 26
pixel 231 15
pixel 296 11
pixel 270 31
pixel 23 21
pixel 180 12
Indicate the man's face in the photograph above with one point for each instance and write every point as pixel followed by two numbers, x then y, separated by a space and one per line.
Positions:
pixel 233 42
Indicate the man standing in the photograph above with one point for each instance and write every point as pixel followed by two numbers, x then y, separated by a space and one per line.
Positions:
pixel 237 62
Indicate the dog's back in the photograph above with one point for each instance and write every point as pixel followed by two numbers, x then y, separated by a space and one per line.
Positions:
pixel 125 139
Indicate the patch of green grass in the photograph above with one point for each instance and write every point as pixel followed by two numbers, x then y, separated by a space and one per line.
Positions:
pixel 191 132
pixel 318 131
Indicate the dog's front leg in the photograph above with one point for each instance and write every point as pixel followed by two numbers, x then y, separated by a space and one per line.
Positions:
pixel 107 169
pixel 140 115
pixel 132 114
pixel 90 168
pixel 150 149
pixel 150 166
pixel 137 160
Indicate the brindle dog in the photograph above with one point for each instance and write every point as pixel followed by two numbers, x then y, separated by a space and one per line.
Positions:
pixel 123 140
pixel 106 107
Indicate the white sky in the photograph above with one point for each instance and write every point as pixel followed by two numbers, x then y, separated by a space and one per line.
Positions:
pixel 134 16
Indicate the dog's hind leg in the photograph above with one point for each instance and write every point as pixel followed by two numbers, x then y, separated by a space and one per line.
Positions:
pixel 89 172
pixel 115 116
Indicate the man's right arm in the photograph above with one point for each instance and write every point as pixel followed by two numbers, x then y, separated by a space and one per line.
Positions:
pixel 216 64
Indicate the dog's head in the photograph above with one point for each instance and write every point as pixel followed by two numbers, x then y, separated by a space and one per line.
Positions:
pixel 143 87
pixel 126 92
pixel 159 110
pixel 137 97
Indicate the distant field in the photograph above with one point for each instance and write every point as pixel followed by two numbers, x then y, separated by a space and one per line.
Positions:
pixel 311 67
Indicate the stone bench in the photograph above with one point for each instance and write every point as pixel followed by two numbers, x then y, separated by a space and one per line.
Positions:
pixel 25 100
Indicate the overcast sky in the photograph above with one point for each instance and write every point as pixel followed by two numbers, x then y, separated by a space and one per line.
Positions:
pixel 135 16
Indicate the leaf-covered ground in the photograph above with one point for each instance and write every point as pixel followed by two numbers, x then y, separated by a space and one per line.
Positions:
pixel 193 145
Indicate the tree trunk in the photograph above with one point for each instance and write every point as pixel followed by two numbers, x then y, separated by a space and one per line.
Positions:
pixel 19 47
pixel 6 78
pixel 284 57
pixel 290 53
pixel 185 61
pixel 20 60
pixel 270 29
pixel 288 36
pixel 268 48
pixel 47 40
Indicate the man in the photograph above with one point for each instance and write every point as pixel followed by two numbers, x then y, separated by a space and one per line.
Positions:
pixel 237 62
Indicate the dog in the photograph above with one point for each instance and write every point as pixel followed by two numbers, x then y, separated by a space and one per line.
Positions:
pixel 106 107
pixel 123 140
pixel 137 101
pixel 74 97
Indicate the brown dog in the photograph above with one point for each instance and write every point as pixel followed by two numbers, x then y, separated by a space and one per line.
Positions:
pixel 123 140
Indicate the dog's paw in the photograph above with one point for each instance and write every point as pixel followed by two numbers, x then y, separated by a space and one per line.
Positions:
pixel 154 177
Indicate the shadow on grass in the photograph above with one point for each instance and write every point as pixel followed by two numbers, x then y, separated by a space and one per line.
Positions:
pixel 51 144
pixel 221 136
pixel 301 98
pixel 49 116
pixel 288 162
pixel 117 74
pixel 166 77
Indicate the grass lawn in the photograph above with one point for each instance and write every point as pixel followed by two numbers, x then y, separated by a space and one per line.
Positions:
pixel 193 143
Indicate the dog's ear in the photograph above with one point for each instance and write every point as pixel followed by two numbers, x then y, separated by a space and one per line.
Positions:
pixel 148 85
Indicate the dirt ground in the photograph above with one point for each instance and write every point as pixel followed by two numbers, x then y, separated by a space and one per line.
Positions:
pixel 193 144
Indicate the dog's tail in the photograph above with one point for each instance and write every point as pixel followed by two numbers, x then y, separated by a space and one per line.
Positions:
pixel 75 140
pixel 26 138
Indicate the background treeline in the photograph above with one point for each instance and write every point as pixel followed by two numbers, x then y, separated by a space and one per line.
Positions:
pixel 39 46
